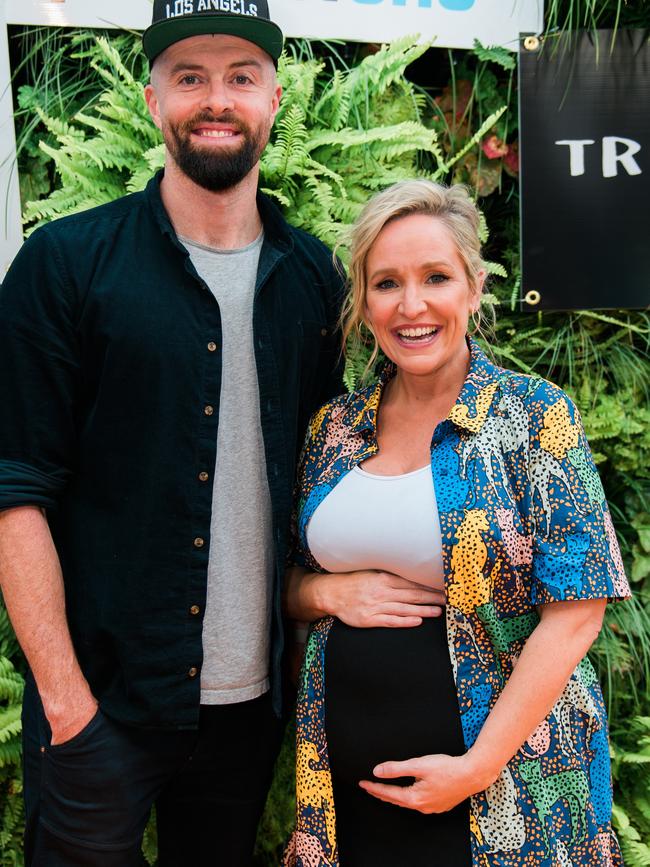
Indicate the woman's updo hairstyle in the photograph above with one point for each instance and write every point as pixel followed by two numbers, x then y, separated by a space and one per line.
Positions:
pixel 452 205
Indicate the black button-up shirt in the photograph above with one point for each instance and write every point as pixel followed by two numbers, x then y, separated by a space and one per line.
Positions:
pixel 110 376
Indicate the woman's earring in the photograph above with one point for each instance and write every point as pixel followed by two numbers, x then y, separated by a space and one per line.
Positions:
pixel 476 322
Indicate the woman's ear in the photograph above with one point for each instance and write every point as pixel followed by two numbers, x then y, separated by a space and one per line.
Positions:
pixel 478 290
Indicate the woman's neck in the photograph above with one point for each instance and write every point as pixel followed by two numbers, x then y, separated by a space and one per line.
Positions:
pixel 432 394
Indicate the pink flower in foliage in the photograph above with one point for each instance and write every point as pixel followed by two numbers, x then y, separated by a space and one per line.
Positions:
pixel 494 148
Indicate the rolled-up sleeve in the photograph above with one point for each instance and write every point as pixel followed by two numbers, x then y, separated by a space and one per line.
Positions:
pixel 39 376
pixel 575 551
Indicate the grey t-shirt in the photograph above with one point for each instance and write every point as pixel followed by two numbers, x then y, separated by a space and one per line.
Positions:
pixel 236 627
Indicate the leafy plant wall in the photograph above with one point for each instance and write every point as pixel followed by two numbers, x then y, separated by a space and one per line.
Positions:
pixel 352 122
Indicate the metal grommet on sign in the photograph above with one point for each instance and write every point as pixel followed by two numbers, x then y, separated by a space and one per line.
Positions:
pixel 533 297
pixel 531 43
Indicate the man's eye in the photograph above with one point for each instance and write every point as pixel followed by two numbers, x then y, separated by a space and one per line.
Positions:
pixel 242 79
pixel 189 79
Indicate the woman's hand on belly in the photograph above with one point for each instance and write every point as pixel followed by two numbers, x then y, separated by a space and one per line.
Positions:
pixel 371 598
pixel 441 782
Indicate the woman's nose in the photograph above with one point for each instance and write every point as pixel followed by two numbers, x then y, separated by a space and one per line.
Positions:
pixel 412 303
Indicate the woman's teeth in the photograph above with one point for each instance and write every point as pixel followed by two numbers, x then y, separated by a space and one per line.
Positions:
pixel 416 333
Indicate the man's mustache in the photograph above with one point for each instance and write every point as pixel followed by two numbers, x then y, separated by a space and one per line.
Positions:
pixel 209 117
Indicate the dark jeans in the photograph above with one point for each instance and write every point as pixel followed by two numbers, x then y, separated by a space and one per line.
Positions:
pixel 88 800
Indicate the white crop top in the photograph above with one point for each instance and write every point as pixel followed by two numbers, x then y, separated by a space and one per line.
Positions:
pixel 389 523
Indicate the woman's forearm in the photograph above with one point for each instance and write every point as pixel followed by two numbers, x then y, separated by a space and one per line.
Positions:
pixel 565 633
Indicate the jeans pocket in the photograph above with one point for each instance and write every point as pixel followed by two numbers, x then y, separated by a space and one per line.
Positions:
pixel 88 789
pixel 81 736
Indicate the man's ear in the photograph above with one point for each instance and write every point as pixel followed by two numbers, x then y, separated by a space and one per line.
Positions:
pixel 152 104
pixel 275 102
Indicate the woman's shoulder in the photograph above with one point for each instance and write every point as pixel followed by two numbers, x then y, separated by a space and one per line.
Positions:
pixel 546 405
pixel 345 410
pixel 533 390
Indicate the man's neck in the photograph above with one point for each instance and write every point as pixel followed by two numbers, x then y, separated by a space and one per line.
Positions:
pixel 228 219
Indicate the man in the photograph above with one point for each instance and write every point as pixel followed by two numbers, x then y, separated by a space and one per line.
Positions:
pixel 159 359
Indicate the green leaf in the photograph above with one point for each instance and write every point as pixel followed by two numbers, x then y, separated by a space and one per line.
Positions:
pixel 495 54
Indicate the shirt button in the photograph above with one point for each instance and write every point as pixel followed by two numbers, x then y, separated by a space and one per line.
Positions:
pixel 199 542
pixel 212 346
pixel 194 610
pixel 193 671
pixel 209 410
pixel 203 477
pixel 323 332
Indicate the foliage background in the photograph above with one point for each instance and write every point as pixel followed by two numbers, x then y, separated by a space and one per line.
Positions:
pixel 354 119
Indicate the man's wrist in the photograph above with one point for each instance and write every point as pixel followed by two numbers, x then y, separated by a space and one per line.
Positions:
pixel 70 694
pixel 316 596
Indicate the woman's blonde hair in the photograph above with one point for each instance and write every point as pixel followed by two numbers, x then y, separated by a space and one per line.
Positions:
pixel 452 205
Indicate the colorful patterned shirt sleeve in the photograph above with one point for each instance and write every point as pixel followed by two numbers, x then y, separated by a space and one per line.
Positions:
pixel 575 551
pixel 296 555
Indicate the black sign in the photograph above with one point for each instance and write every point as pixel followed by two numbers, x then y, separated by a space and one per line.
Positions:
pixel 585 171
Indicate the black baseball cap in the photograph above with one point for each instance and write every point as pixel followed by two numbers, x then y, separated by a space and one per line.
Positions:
pixel 174 20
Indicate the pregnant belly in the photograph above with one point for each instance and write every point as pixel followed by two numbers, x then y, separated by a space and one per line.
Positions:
pixel 390 696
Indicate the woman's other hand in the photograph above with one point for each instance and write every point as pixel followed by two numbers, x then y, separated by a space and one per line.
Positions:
pixel 441 782
pixel 362 599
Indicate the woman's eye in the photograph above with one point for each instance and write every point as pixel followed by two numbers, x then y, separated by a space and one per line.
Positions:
pixel 386 284
pixel 437 278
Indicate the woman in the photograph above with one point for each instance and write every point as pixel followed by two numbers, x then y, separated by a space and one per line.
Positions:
pixel 479 738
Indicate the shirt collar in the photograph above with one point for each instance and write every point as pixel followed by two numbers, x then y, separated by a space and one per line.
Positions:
pixel 276 229
pixel 472 406
pixel 477 395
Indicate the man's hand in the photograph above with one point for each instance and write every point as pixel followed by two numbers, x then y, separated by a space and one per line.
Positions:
pixel 68 719
pixel 441 782
pixel 369 599
pixel 32 585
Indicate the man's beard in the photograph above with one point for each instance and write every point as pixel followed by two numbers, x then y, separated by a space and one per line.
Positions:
pixel 211 168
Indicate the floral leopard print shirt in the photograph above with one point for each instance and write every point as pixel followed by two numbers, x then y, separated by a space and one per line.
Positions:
pixel 524 522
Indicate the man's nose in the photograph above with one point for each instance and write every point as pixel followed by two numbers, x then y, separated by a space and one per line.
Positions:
pixel 217 98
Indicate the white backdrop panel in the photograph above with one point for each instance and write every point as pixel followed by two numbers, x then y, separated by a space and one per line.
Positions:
pixel 454 23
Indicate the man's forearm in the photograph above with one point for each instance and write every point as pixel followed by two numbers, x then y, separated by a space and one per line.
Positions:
pixel 299 596
pixel 32 585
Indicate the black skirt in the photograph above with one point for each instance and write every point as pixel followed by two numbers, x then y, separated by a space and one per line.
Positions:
pixel 390 696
